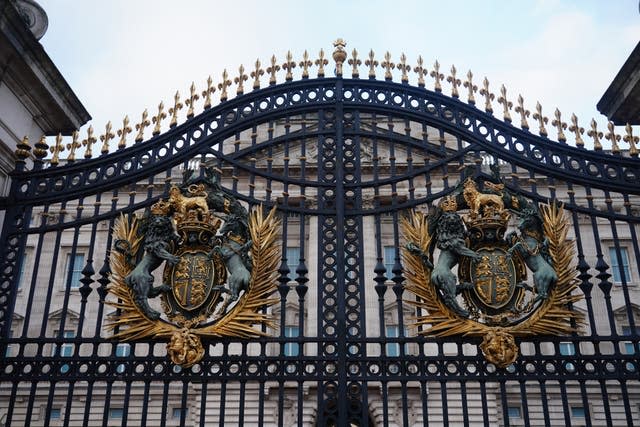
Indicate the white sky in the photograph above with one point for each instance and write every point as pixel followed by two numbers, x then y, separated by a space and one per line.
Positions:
pixel 121 57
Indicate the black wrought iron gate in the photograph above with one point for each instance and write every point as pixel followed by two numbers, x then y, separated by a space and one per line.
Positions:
pixel 343 160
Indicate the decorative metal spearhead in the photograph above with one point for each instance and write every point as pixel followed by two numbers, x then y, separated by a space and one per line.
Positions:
pixel 613 137
pixel 255 75
pixel 272 70
pixel 158 119
pixel 455 82
pixel 321 62
pixel 488 96
pixel 193 97
pixel 560 125
pixel 354 62
pixel 471 87
pixel 289 65
pixel 631 140
pixel 89 143
pixel 404 68
pixel 506 104
pixel 305 64
pixel 372 64
pixel 541 119
pixel 242 77
pixel 108 136
pixel 524 113
pixel 206 94
pixel 56 150
pixel 421 71
pixel 437 76
pixel 41 148
pixel 577 130
pixel 144 122
pixel 593 133
pixel 126 129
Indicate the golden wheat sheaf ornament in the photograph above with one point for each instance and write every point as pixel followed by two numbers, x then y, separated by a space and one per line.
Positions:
pixel 216 279
pixel 497 301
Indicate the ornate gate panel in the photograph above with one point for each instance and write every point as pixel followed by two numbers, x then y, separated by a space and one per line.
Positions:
pixel 353 327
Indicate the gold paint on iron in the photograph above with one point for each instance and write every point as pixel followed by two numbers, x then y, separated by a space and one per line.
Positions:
pixel 177 106
pixel 354 62
pixel 305 64
pixel 372 64
pixel 560 125
pixel 404 68
pixel 89 143
pixel 41 148
pixel 122 133
pixel 108 136
pixel 388 66
pixel 631 140
pixel 541 119
pixel 611 136
pixel 421 71
pixel 593 133
pixel 255 75
pixel 471 88
pixel 73 146
pixel 576 130
pixel 506 104
pixel 144 122
pixel 321 62
pixel 339 55
pixel 435 73
pixel 524 113
pixel 488 96
pixel 272 70
pixel 193 97
pixel 56 150
pixel 242 77
pixel 23 149
pixel 455 82
pixel 289 65
pixel 206 94
pixel 158 119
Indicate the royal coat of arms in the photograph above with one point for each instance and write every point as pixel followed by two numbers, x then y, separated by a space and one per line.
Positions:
pixel 220 268
pixel 507 285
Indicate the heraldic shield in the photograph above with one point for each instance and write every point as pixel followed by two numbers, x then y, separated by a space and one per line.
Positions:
pixel 220 268
pixel 507 285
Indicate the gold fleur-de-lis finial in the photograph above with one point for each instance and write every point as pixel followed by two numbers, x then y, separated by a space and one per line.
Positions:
pixel 455 82
pixel 421 71
pixel 506 104
pixel 613 137
pixel 144 122
pixel 631 140
pixel 126 129
pixel 177 106
pixel 272 70
pixel 435 73
pixel 206 94
pixel 524 113
pixel 388 66
pixel 224 85
pixel 404 68
pixel 193 97
pixel 289 65
pixel 471 88
pixel 321 62
pixel 577 131
pixel 89 143
pixel 541 119
pixel 73 146
pixel 488 96
pixel 157 119
pixel 354 62
pixel 255 74
pixel 108 136
pixel 593 133
pixel 372 64
pixel 57 148
pixel 242 77
pixel 339 55
pixel 560 125
pixel 305 64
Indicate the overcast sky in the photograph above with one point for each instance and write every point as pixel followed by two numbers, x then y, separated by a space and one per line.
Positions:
pixel 121 57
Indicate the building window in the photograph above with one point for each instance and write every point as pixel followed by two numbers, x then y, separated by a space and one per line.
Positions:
pixel 21 277
pixel 116 413
pixel 514 412
pixel 293 259
pixel 8 351
pixel 568 349
pixel 629 347
pixel 291 348
pixel 620 266
pixel 389 260
pixel 74 270
pixel 122 350
pixel 55 414
pixel 179 413
pixel 393 348
pixel 577 412
pixel 66 349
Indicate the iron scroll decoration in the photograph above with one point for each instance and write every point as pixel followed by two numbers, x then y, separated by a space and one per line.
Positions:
pixel 491 297
pixel 220 269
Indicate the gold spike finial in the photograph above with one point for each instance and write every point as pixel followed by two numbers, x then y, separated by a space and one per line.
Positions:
pixel 339 55
pixel 56 150
pixel 471 87
pixel 631 140
pixel 354 62
pixel 242 77
pixel 177 106
pixel 541 119
pixel 488 96
pixel 506 104
pixel 255 75
pixel 560 125
pixel 289 65
pixel 272 70
pixel 435 73
pixel 421 71
pixel 158 119
pixel 372 64
pixel 193 97
pixel 206 94
pixel 404 68
pixel 388 66
pixel 41 148
pixel 524 113
pixel 305 64
pixel 144 122
pixel 224 85
pixel 108 136
pixel 122 133
pixel 577 130
pixel 611 136
pixel 593 133
pixel 321 62
pixel 23 149
pixel 455 82
pixel 89 143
